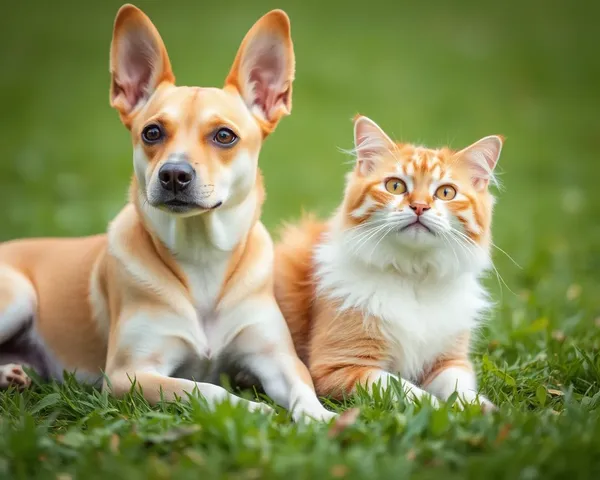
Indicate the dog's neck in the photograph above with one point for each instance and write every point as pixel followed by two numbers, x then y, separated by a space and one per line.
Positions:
pixel 199 238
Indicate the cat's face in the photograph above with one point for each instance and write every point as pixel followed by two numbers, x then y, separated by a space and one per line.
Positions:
pixel 423 199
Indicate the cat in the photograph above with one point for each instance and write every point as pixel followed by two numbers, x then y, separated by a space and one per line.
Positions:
pixel 391 283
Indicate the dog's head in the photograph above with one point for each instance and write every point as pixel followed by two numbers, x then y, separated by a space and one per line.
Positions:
pixel 195 148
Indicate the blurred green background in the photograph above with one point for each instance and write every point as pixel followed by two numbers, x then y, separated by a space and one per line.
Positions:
pixel 430 72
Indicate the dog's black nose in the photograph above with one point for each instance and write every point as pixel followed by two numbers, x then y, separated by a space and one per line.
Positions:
pixel 176 177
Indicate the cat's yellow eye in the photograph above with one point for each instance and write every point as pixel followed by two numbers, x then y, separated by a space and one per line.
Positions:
pixel 445 192
pixel 395 186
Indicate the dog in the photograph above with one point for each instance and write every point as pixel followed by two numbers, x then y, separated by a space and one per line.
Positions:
pixel 180 288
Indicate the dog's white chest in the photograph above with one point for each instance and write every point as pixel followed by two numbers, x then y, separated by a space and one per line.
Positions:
pixel 205 283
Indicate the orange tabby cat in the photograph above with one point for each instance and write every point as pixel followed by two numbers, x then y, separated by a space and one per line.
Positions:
pixel 389 287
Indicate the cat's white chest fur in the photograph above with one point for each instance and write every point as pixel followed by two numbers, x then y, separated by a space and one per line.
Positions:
pixel 419 317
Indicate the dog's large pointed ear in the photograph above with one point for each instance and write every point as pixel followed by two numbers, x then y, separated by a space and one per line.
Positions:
pixel 138 61
pixel 263 69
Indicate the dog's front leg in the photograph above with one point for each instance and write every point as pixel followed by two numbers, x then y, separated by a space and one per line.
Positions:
pixel 264 346
pixel 156 386
pixel 147 349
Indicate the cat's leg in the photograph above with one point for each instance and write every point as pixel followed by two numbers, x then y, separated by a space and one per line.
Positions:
pixel 457 377
pixel 453 372
pixel 344 354
pixel 384 380
pixel 344 379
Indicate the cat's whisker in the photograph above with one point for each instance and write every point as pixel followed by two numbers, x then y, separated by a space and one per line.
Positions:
pixel 353 240
pixel 439 228
pixel 445 237
pixel 369 237
pixel 357 236
pixel 469 254
pixel 514 262
pixel 472 242
pixel 391 227
pixel 379 230
pixel 365 225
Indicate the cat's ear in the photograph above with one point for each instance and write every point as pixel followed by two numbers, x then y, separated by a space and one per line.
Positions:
pixel 371 143
pixel 481 159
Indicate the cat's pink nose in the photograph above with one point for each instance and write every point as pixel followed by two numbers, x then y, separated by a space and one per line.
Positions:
pixel 419 208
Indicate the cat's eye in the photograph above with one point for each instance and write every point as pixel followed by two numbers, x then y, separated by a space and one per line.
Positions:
pixel 395 186
pixel 445 192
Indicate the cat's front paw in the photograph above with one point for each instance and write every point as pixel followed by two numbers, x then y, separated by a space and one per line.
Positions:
pixel 416 394
pixel 471 398
pixel 486 405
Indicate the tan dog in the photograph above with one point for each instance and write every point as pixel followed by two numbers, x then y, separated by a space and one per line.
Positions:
pixel 180 289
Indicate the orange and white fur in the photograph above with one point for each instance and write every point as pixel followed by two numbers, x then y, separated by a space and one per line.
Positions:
pixel 389 287
pixel 181 287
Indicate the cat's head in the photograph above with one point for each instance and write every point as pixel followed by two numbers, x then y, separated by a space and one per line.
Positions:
pixel 404 200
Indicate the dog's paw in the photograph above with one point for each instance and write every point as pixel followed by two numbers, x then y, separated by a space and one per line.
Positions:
pixel 320 415
pixel 326 416
pixel 433 401
pixel 261 407
pixel 13 374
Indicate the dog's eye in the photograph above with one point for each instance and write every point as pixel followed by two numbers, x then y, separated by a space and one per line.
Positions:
pixel 225 137
pixel 152 134
pixel 445 192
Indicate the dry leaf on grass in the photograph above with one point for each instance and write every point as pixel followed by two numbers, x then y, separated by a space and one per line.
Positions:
pixel 558 335
pixel 339 471
pixel 573 292
pixel 114 443
pixel 343 421
pixel 503 433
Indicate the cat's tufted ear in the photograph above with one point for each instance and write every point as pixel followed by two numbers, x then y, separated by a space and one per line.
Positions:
pixel 138 61
pixel 371 143
pixel 263 69
pixel 481 159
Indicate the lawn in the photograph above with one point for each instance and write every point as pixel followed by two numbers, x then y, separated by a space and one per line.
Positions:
pixel 430 72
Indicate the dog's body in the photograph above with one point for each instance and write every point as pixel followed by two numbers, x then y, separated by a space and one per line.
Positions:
pixel 180 288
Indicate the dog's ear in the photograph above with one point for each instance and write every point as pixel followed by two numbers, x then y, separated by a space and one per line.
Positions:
pixel 263 69
pixel 138 61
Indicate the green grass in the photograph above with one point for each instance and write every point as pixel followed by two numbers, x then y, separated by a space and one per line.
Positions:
pixel 431 72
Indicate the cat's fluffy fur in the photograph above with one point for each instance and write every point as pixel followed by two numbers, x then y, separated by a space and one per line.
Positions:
pixel 367 295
